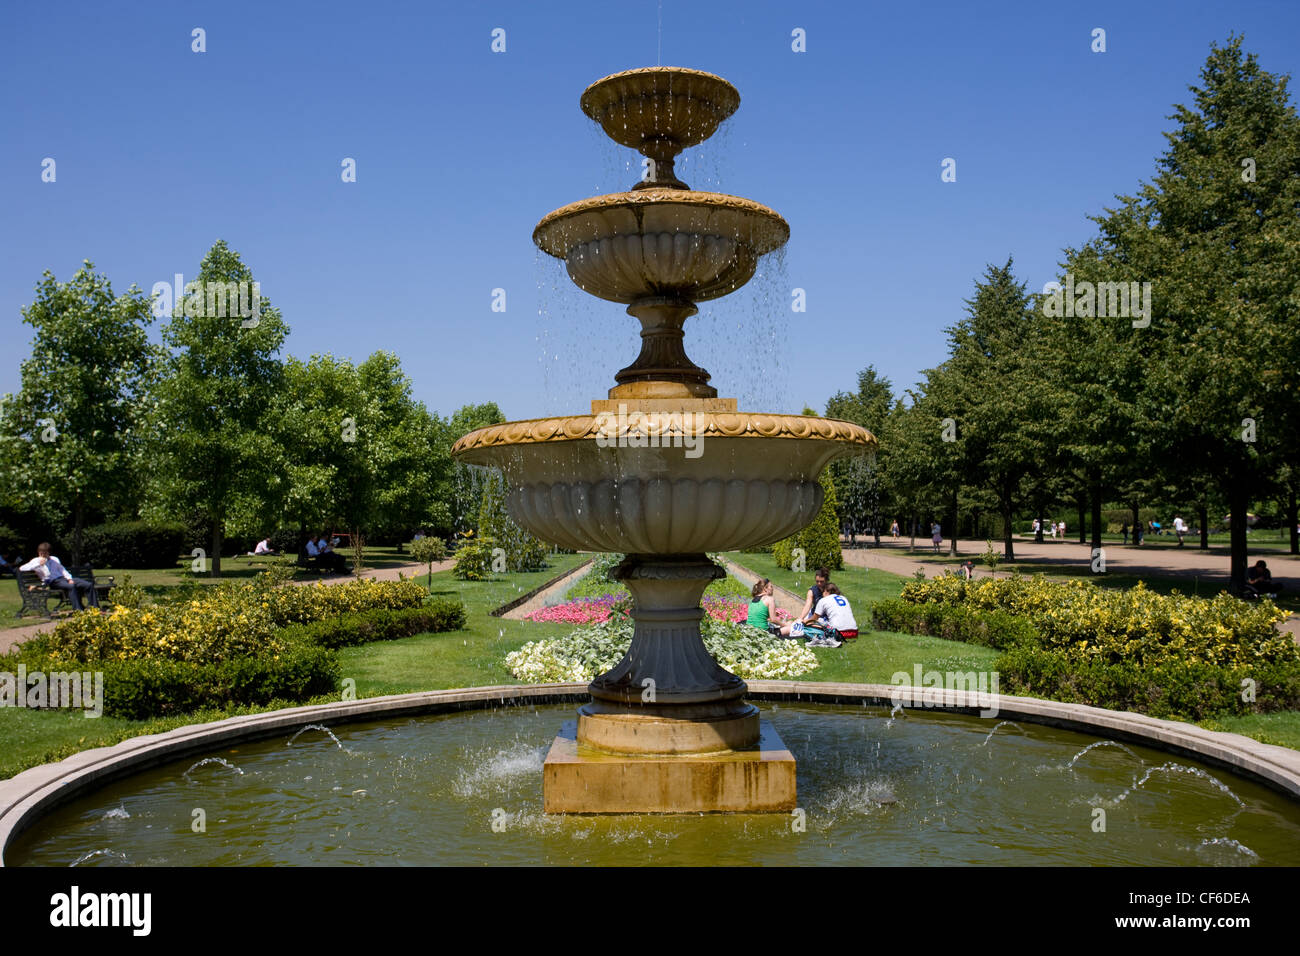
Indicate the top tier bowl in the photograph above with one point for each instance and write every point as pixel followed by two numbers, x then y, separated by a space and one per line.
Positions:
pixel 660 110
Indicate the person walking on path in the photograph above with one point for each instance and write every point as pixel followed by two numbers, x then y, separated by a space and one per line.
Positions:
pixel 936 536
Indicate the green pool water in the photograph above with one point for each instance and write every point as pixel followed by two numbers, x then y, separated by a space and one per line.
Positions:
pixel 923 788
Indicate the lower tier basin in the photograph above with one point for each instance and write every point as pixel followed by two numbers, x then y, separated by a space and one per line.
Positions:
pixel 466 788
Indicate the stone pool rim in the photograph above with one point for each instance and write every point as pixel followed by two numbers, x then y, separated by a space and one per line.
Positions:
pixel 27 796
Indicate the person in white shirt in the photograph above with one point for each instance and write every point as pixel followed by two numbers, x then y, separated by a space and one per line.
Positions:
pixel 54 575
pixel 833 611
pixel 326 555
pixel 1180 528
pixel 264 547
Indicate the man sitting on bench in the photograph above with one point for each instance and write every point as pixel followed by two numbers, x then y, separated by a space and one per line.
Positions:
pixel 319 548
pixel 54 575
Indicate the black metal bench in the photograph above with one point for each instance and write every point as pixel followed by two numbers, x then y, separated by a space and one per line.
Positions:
pixel 36 596
pixel 309 561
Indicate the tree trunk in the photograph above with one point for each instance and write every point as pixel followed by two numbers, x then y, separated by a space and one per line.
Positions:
pixel 214 559
pixel 1237 503
pixel 358 551
pixel 78 521
pixel 1291 518
pixel 1096 511
pixel 911 521
pixel 1203 516
pixel 952 544
pixel 1008 547
pixel 1137 523
pixel 1083 510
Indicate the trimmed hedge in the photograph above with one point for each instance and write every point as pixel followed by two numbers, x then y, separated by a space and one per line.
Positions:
pixel 1177 690
pixel 298 665
pixel 380 625
pixel 1166 655
pixel 132 544
pixel 140 689
pixel 995 629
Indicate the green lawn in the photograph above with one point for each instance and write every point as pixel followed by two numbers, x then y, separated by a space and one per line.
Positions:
pixel 466 658
pixel 1281 728
pixel 861 586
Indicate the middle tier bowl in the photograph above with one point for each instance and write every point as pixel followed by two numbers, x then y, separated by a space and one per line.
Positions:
pixel 674 243
pixel 711 482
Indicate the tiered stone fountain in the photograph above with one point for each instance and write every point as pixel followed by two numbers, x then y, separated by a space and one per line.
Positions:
pixel 664 470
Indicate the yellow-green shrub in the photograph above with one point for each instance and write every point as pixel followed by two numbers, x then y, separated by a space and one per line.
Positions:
pixel 231 621
pixel 1136 625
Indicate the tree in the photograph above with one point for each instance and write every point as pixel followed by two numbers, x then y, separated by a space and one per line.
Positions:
pixel 215 451
pixel 860 480
pixel 995 395
pixel 1217 234
pixel 358 449
pixel 465 492
pixel 820 540
pixel 523 551
pixel 73 434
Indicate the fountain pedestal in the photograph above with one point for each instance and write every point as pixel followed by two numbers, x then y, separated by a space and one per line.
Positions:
pixel 667 700
pixel 756 779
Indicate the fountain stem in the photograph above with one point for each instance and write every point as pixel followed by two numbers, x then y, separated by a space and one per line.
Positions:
pixel 667 695
pixel 663 356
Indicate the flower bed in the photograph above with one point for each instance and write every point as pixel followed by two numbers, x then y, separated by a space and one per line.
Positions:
pixel 582 611
pixel 593 649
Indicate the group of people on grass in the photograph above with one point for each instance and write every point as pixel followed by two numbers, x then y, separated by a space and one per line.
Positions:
pixel 826 620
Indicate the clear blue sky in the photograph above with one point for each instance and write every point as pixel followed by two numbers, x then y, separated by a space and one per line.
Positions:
pixel 160 151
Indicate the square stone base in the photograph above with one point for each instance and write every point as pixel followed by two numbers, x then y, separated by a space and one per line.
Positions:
pixel 578 779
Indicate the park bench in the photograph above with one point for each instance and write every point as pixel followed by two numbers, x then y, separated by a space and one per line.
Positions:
pixel 36 597
pixel 307 561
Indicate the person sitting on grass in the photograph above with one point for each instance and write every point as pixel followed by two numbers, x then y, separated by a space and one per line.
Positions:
pixel 834 618
pixel 1260 578
pixel 820 579
pixel 54 575
pixel 263 548
pixel 762 608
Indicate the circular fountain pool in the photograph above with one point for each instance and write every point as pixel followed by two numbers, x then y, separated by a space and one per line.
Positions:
pixel 466 788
